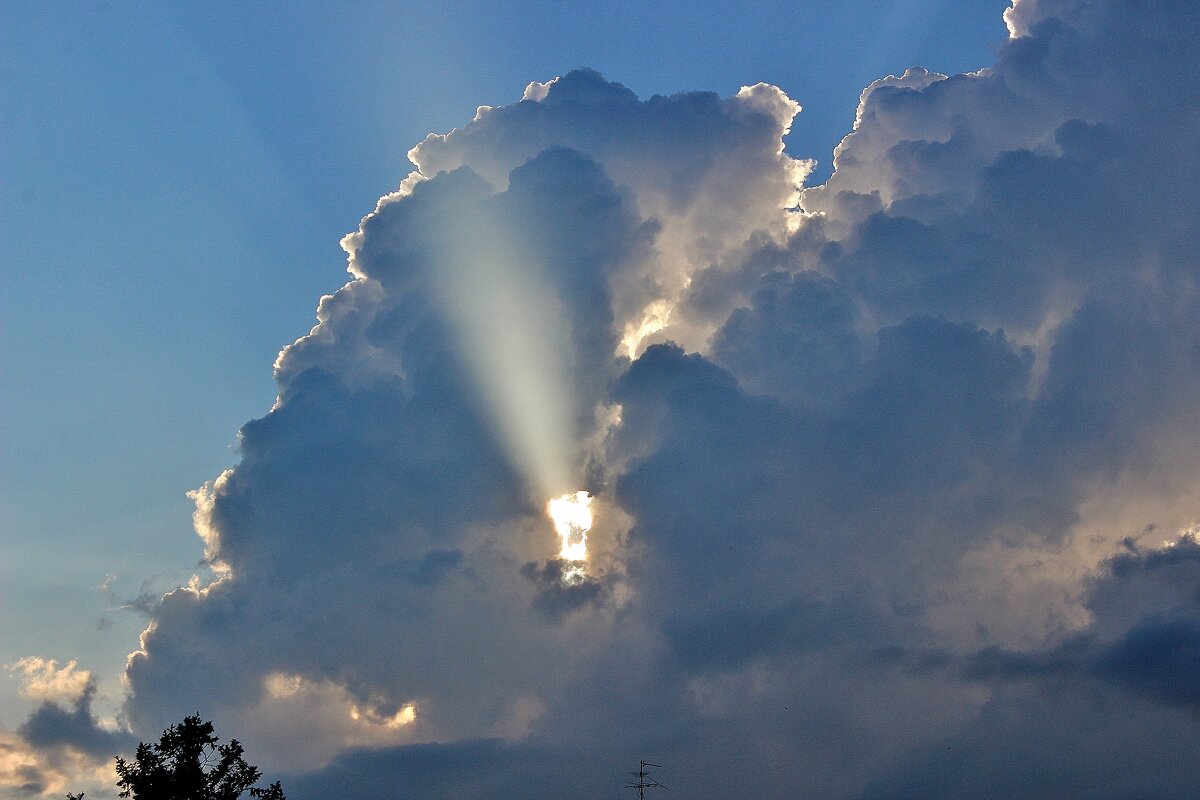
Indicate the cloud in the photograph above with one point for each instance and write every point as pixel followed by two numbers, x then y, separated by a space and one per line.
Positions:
pixel 560 589
pixel 710 171
pixel 61 746
pixel 1144 636
pixel 1063 742
pixel 476 768
pixel 1052 709
pixel 42 679
pixel 461 376
pixel 292 702
pixel 866 455
pixel 51 725
pixel 26 771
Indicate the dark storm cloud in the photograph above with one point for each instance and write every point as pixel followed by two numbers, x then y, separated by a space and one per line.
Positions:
pixel 863 468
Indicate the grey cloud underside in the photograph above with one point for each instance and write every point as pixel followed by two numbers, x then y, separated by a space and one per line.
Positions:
pixel 51 726
pixel 878 496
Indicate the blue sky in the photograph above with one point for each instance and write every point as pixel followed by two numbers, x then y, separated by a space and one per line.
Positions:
pixel 901 464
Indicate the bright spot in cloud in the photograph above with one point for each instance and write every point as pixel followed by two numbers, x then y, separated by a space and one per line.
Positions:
pixel 1188 535
pixel 654 318
pixel 572 519
pixel 302 723
pixel 280 686
pixel 402 717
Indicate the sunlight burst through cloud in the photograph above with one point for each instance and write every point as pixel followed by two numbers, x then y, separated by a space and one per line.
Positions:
pixel 572 517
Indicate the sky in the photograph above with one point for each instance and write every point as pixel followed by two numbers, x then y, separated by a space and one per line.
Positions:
pixel 891 452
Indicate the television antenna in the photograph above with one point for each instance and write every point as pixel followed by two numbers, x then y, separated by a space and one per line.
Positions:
pixel 645 780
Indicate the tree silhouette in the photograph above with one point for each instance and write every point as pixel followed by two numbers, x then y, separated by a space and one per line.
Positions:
pixel 187 763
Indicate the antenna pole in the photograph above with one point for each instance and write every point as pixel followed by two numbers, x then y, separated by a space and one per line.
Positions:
pixel 645 780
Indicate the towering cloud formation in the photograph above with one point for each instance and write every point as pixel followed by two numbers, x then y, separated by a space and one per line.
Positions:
pixel 883 468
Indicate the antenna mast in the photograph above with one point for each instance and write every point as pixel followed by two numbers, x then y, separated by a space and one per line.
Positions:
pixel 645 780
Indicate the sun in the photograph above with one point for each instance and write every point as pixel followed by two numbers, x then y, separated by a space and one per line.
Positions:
pixel 572 518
